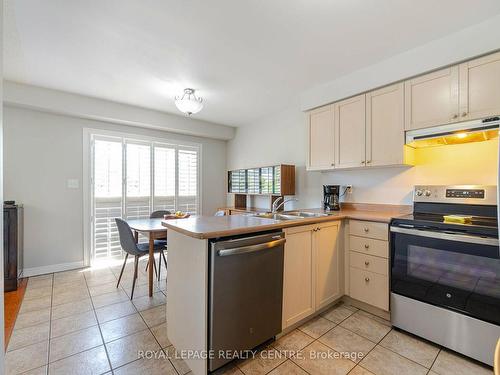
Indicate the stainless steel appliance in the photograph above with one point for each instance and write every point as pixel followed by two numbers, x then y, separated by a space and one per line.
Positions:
pixel 331 194
pixel 445 276
pixel 246 293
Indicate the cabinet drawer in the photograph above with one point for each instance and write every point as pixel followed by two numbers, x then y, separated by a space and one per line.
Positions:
pixel 379 231
pixel 369 263
pixel 370 287
pixel 369 246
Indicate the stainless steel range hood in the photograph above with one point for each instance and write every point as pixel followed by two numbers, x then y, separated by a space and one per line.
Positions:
pixel 457 133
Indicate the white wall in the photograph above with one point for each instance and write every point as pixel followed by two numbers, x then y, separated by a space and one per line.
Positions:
pixel 65 103
pixel 282 138
pixel 43 150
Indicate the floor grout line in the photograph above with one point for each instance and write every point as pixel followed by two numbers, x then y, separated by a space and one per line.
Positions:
pixel 99 327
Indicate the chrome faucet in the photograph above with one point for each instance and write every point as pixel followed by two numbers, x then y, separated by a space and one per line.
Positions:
pixel 275 207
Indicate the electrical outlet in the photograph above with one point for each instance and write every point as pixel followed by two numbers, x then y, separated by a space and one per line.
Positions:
pixel 348 189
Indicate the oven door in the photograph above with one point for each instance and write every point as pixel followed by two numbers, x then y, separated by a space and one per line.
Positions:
pixel 451 270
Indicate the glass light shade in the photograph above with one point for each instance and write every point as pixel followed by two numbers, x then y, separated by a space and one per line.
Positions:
pixel 189 103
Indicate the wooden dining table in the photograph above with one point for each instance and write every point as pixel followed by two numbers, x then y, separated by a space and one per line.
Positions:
pixel 153 229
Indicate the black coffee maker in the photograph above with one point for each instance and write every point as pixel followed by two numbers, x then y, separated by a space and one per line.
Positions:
pixel 331 194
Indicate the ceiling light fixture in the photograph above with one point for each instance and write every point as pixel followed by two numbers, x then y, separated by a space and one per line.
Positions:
pixel 189 103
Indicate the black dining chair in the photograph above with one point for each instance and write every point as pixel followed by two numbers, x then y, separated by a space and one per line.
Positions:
pixel 159 214
pixel 138 250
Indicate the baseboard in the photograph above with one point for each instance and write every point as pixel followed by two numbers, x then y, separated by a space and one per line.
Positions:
pixel 35 271
pixel 366 307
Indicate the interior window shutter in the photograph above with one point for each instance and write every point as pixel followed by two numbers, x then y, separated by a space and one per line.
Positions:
pixel 187 161
pixel 107 162
pixel 138 180
pixel 164 178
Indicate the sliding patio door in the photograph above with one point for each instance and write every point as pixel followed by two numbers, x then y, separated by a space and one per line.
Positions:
pixel 132 177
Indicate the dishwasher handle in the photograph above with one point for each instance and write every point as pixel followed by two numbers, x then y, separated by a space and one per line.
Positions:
pixel 251 248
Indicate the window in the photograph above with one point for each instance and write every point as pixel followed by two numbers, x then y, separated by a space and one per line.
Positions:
pixel 130 178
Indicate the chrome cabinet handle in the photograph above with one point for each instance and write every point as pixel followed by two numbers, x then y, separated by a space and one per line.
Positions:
pixel 368 161
pixel 464 114
pixel 367 279
pixel 366 263
pixel 363 162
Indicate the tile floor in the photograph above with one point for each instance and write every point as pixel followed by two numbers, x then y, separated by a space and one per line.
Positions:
pixel 78 322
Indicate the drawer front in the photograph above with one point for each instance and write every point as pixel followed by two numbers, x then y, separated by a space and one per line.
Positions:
pixel 369 246
pixel 369 263
pixel 370 287
pixel 379 231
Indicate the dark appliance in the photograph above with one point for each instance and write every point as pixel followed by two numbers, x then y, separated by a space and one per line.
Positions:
pixel 331 194
pixel 445 276
pixel 12 245
pixel 245 293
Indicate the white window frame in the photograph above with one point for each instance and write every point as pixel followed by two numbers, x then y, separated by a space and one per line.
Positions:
pixel 88 135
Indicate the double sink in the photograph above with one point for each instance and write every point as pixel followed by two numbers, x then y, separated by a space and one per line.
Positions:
pixel 289 215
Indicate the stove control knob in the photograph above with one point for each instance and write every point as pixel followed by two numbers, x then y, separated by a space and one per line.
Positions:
pixel 419 193
pixel 427 193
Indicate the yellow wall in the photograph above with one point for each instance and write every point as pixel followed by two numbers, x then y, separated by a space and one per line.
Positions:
pixel 468 163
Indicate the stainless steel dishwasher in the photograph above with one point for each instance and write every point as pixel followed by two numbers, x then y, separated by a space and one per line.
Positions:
pixel 246 293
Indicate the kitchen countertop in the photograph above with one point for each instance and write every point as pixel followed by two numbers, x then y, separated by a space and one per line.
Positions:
pixel 204 227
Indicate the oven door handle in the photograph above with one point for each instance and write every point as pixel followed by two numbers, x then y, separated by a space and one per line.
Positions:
pixel 447 236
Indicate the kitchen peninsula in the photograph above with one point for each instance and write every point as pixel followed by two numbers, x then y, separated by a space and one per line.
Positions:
pixel 315 239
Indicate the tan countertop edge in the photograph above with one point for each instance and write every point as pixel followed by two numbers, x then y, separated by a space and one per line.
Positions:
pixel 205 227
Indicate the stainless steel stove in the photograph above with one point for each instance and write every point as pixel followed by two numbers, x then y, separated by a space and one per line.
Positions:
pixel 445 276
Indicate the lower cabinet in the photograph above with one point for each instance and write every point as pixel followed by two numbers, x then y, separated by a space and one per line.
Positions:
pixel 369 263
pixel 369 287
pixel 312 273
pixel 327 264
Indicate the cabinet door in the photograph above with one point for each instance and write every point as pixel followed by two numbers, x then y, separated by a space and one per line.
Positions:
pixel 480 87
pixel 432 99
pixel 385 126
pixel 327 264
pixel 350 132
pixel 321 139
pixel 298 275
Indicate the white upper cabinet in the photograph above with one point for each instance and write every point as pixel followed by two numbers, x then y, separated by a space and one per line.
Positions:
pixel 385 126
pixel 368 130
pixel 480 87
pixel 321 139
pixel 350 132
pixel 432 99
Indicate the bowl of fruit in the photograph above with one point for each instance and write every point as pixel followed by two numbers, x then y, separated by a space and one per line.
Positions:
pixel 176 215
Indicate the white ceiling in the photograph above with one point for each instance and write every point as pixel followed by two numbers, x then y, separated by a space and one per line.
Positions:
pixel 247 59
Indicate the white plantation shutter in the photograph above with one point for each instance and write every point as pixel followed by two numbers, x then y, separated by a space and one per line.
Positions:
pixel 138 181
pixel 188 180
pixel 107 194
pixel 133 177
pixel 164 178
